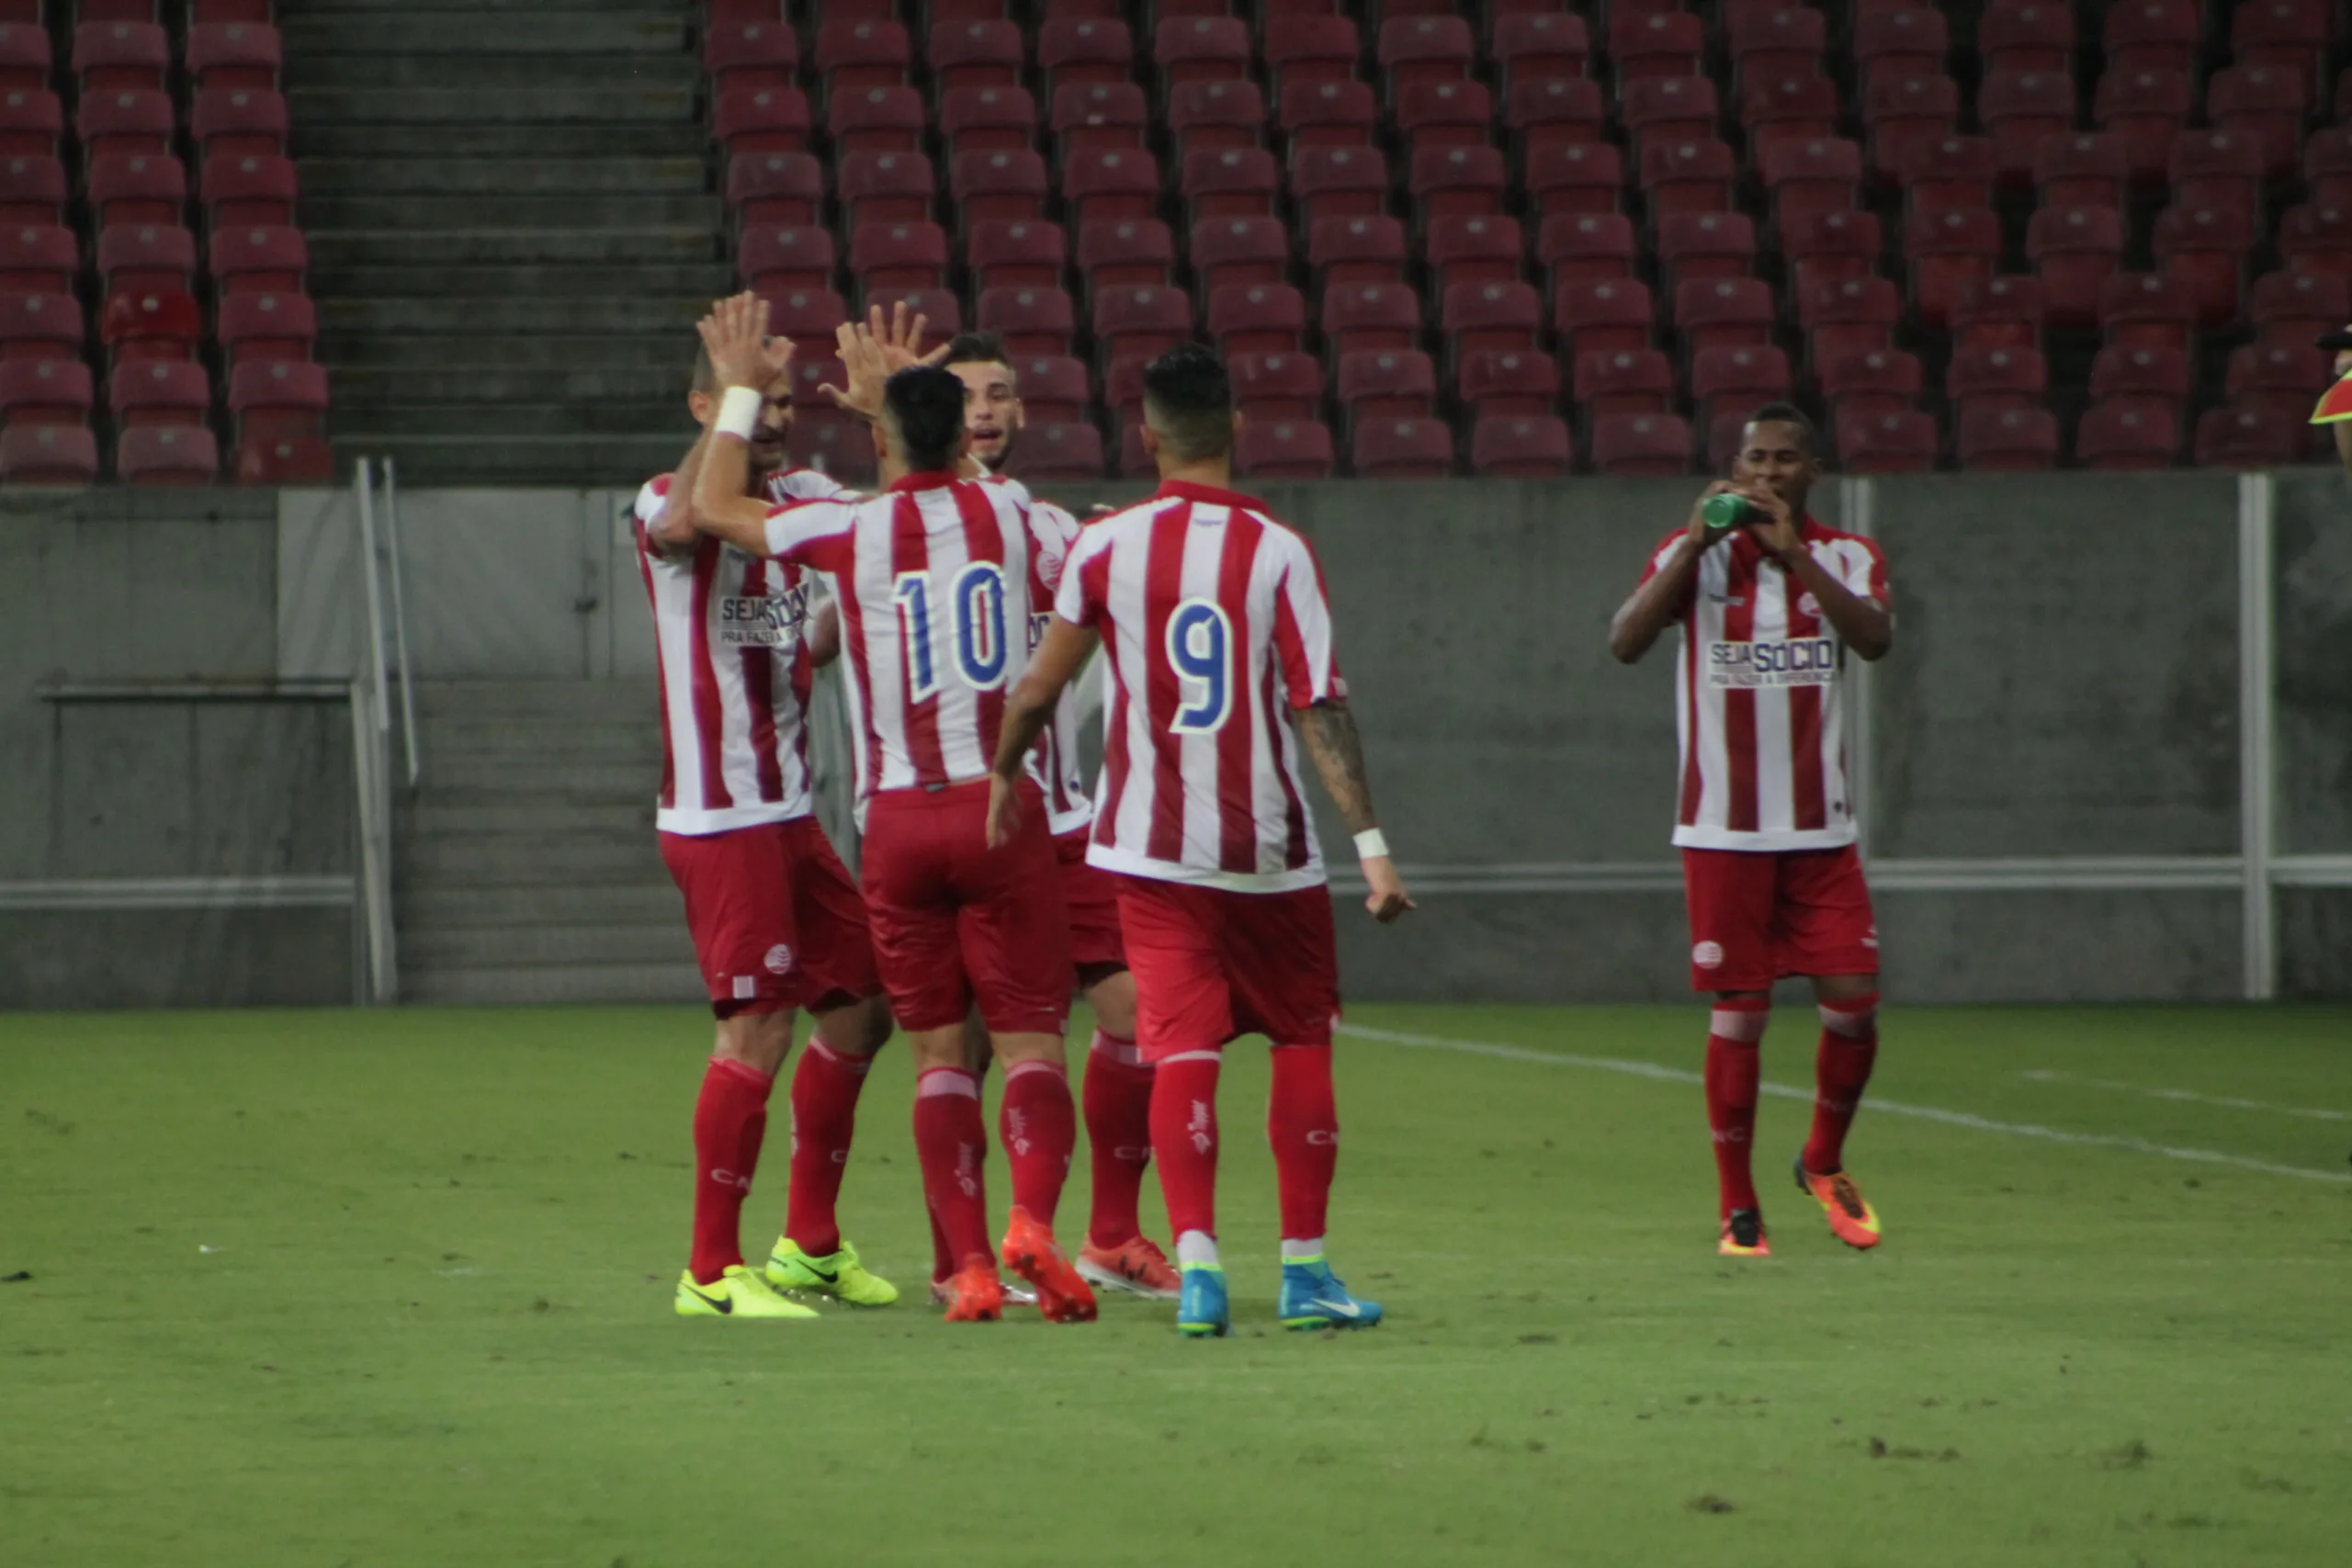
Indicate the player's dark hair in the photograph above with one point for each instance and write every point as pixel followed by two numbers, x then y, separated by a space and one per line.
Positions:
pixel 977 348
pixel 1790 414
pixel 926 403
pixel 705 379
pixel 1188 402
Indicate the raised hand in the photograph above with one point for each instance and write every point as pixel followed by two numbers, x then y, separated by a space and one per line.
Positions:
pixel 902 338
pixel 868 366
pixel 735 334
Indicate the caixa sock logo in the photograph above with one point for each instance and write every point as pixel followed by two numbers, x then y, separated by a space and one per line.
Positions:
pixel 1799 661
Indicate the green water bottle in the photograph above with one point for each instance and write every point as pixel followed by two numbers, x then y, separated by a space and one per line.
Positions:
pixel 1727 512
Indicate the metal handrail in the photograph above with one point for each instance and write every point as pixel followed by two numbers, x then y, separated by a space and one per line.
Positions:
pixel 399 619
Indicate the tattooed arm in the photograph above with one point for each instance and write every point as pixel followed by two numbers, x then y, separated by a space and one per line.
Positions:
pixel 1329 731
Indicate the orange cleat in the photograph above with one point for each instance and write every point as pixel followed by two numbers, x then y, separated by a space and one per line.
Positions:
pixel 1136 1267
pixel 1744 1235
pixel 1851 1219
pixel 1031 1251
pixel 976 1294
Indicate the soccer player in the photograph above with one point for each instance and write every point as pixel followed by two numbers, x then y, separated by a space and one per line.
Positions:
pixel 1217 624
pixel 1117 1090
pixel 1770 608
pixel 933 580
pixel 777 924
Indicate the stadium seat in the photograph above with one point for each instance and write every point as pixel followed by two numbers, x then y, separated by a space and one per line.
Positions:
pixel 1635 446
pixel 1905 114
pixel 31 122
pixel 33 189
pixel 1848 315
pixel 1996 378
pixel 267 326
pixel 2327 170
pixel 286 460
pixel 1215 116
pixel 897 256
pixel 1498 316
pixel 1140 320
pixel 977 52
pixel 1547 111
pixel 736 55
pixel 1871 382
pixel 1282 450
pixel 1369 316
pixel 1811 176
pixel 1339 182
pixel 2317 238
pixel 2074 249
pixel 2084 169
pixel 1705 244
pixel 1256 317
pixel 2006 440
pixel 259 259
pixel 772 257
pixel 1949 253
pixel 2143 309
pixel 1277 386
pixel 1822 246
pixel 812 373
pixel 163 324
pixel 840 444
pixel 987 119
pixel 1508 382
pixel 1769 43
pixel 1412 49
pixel 250 190
pixel 876 119
pixel 2286 35
pixel 159 391
pixel 2264 104
pixel 40 326
pixel 278 396
pixel 1655 44
pixel 44 392
pixel 1948 175
pixel 1067 452
pixel 1688 177
pixel 1134 463
pixel 2154 35
pixel 2231 437
pixel 1356 249
pixel 2027 36
pixel 1623 380
pixel 1013 253
pixel 1110 254
pixel 1232 182
pixel 128 121
pixel 1575 178
pixel 1328 114
pixel 1737 379
pixel 2018 111
pixel 2115 438
pixel 110 57
pixel 24 56
pixel 48 455
pixel 1788 109
pixel 1200 49
pixel 234 54
pixel 1585 245
pixel 749 120
pixel 854 52
pixel 1474 250
pixel 1658 110
pixel 942 311
pixel 807 316
pixel 2215 168
pixel 1054 388
pixel 1521 446
pixel 1897 441
pixel 1085 48
pixel 2000 311
pixel 138 258
pixel 2205 249
pixel 1108 184
pixel 2296 307
pixel 1010 185
pixel 2155 380
pixel 1445 114
pixel 1538 46
pixel 1401 449
pixel 1456 182
pixel 782 188
pixel 2147 108
pixel 1723 313
pixel 1318 48
pixel 1100 117
pixel 1602 313
pixel 136 189
pixel 2281 379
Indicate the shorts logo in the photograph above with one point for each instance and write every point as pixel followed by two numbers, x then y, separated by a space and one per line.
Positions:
pixel 1708 955
pixel 1870 938
pixel 779 960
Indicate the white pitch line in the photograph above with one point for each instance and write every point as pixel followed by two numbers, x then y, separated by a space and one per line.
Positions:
pixel 1884 1107
pixel 2187 1096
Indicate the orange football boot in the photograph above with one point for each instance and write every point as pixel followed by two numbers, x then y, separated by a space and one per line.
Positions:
pixel 1031 1251
pixel 1744 1235
pixel 1851 1219
pixel 1136 1267
pixel 976 1294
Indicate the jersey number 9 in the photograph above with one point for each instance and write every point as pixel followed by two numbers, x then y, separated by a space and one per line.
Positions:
pixel 1200 650
pixel 977 601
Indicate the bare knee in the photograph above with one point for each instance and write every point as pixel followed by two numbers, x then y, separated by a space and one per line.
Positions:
pixel 759 1040
pixel 1112 997
pixel 1844 988
pixel 859 1028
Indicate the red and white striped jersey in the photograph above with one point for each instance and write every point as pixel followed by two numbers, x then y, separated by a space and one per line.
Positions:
pixel 1759 697
pixel 1215 622
pixel 735 673
pixel 933 577
pixel 1055 763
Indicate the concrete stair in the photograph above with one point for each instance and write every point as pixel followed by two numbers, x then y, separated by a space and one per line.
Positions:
pixel 525 866
pixel 512 226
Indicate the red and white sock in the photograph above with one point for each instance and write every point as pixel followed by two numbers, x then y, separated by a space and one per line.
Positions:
pixel 1117 1094
pixel 1183 1140
pixel 825 1088
pixel 1841 1068
pixel 952 1143
pixel 1303 1125
pixel 1038 1125
pixel 1735 1062
pixel 730 1120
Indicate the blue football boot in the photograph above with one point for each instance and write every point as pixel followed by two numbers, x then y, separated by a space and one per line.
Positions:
pixel 1313 1297
pixel 1201 1309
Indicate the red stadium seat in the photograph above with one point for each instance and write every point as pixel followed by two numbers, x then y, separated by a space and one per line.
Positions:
pixel 1386 384
pixel 1134 463
pixel 1658 110
pixel 1257 318
pixel 1788 109
pixel 1010 185
pixel 807 316
pixel 773 257
pixel 1574 178
pixel 1110 254
pixel 1775 43
pixel 2264 104
pixel 2296 307
pixel 1899 442
pixel 1277 386
pixel 2154 35
pixel 1055 389
pixel 1445 114
pixel 1705 244
pixel 2007 440
pixel 1872 382
pixel 1521 446
pixel 1140 320
pixel 1585 245
pixel 1906 115
pixel 2074 249
pixel 897 256
pixel 775 188
pixel 1823 246
pixel 2147 109
pixel 1216 115
pixel 1847 316
pixel 2327 168
pixel 111 56
pixel 48 455
pixel 2143 309
pixel 1200 49
pixel 2000 311
pixel 1688 177
pixel 129 120
pixel 24 56
pixel 761 120
pixel 234 54
pixel 1654 445
pixel 1328 114
pixel 259 259
pixel 1456 182
pixel 1655 44
pixel 854 52
pixel 1110 183
pixel 1896 41
pixel 876 119
pixel 1285 449
pixel 765 53
pixel 1321 47
pixel 2317 238
pixel 1085 48
pixel 31 122
pixel 1425 48
pixel 1623 380
pixel 44 392
pixel 243 192
pixel 1058 452
pixel 1539 46
pixel 139 258
pixel 1951 253
pixel 1811 176
pixel 1602 313
pixel 1508 382
pixel 1233 182
pixel 1996 378
pixel 2286 35
pixel 987 119
pixel 1402 450
pixel 942 311
pixel 1356 249
pixel 1498 316
pixel 1723 313
pixel 1951 174
pixel 2018 111
pixel 2026 35
pixel 2226 438
pixel 1475 250
pixel 2084 169
pixel 812 373
pixel 267 326
pixel 2205 250
pixel 1226 250
pixel 278 397
pixel 137 188
pixel 33 189
pixel 2215 168
pixel 1339 182
pixel 160 391
pixel 1543 111
pixel 1737 378
pixel 40 326
pixel 165 324
pixel 979 53
pixel 1361 316
pixel 2119 438
pixel 1016 255
pixel 2156 380
pixel 2283 379
pixel 836 444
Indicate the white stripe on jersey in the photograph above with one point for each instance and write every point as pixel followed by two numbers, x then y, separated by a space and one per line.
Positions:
pixel 1055 762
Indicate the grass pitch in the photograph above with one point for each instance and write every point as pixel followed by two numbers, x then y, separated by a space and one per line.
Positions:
pixel 351 1290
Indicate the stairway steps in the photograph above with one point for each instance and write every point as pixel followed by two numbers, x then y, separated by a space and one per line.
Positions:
pixel 423 313
pixel 498 181
pixel 354 204
pixel 585 288
pixel 443 249
pixel 540 144
pixel 359 70
pixel 533 34
pixel 524 420
pixel 539 108
pixel 515 354
pixel 459 461
pixel 372 386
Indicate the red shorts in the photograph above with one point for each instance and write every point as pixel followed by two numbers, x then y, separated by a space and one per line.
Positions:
pixel 955 919
pixel 1757 916
pixel 1211 965
pixel 776 920
pixel 1091 896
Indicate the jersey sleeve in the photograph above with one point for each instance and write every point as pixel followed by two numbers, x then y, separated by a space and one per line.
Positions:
pixel 650 501
pixel 1868 575
pixel 796 485
pixel 1052 531
pixel 1658 563
pixel 1303 630
pixel 801 531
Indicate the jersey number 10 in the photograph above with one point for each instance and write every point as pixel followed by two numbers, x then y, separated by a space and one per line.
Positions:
pixel 976 605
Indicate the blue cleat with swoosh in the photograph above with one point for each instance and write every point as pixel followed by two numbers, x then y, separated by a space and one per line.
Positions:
pixel 1313 1297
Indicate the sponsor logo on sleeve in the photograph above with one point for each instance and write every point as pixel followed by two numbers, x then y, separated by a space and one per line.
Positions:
pixel 1796 661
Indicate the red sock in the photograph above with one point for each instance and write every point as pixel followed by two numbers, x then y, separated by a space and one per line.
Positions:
pixel 1735 1038
pixel 953 1145
pixel 824 1116
pixel 1117 1092
pixel 1183 1138
pixel 1840 1069
pixel 730 1118
pixel 942 1262
pixel 1303 1125
pixel 1039 1127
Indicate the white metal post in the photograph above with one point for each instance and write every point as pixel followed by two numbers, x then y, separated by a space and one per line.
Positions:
pixel 373 588
pixel 2258 630
pixel 400 618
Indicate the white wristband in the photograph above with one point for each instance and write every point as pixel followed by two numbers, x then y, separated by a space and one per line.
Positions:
pixel 1371 845
pixel 738 412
